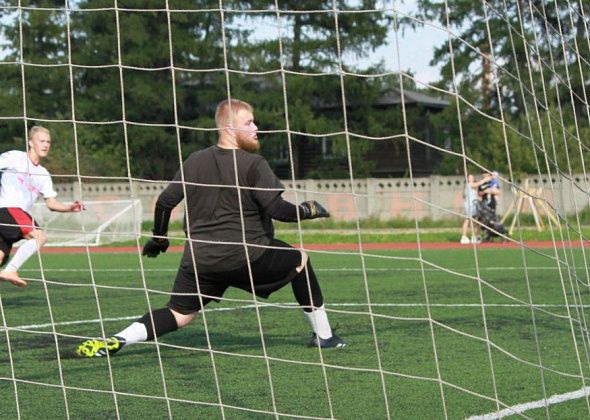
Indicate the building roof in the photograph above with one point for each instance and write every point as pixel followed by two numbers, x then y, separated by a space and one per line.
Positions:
pixel 393 96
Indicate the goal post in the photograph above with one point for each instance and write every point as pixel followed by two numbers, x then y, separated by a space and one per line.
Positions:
pixel 100 223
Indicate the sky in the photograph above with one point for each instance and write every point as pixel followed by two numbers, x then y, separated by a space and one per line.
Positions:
pixel 415 53
pixel 415 46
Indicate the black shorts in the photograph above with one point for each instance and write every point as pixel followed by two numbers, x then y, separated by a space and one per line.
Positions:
pixel 15 224
pixel 272 271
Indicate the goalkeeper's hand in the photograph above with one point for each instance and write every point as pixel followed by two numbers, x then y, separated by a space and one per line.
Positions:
pixel 312 210
pixel 154 246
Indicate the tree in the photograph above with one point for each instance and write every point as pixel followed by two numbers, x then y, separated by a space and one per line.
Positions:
pixel 313 46
pixel 135 87
pixel 31 91
pixel 505 57
pixel 129 93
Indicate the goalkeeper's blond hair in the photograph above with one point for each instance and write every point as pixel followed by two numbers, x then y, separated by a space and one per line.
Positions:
pixel 222 114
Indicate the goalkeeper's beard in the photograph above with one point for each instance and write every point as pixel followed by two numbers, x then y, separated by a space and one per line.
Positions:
pixel 248 144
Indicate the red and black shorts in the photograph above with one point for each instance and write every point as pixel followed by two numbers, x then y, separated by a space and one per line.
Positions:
pixel 273 270
pixel 15 224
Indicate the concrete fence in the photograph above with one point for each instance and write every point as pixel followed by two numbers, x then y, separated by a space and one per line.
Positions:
pixel 435 197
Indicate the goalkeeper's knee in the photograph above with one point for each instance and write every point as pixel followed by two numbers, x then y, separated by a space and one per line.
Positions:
pixel 304 260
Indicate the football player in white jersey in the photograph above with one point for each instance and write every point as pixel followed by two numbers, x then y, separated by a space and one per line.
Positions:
pixel 22 181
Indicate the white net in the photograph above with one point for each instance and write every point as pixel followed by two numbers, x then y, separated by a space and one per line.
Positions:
pixel 434 330
pixel 101 223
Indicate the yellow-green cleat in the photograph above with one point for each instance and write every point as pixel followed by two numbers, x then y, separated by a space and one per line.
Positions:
pixel 98 347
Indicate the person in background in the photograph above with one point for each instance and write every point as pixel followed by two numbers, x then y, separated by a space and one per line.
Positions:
pixel 23 180
pixel 470 198
pixel 489 190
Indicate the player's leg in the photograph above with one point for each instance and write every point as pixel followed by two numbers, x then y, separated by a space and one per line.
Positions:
pixel 181 310
pixel 467 211
pixel 155 324
pixel 34 241
pixel 283 264
pixel 16 280
pixel 464 237
pixel 16 224
pixel 308 293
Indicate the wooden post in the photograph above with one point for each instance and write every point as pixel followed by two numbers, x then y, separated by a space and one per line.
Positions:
pixel 538 207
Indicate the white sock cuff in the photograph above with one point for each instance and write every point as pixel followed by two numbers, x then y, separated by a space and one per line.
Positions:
pixel 134 333
pixel 319 322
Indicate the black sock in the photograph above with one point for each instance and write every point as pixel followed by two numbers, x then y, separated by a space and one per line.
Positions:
pixel 163 323
pixel 302 291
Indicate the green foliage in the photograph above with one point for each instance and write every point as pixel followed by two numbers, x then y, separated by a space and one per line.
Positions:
pixel 145 82
pixel 129 110
pixel 520 87
pixel 309 40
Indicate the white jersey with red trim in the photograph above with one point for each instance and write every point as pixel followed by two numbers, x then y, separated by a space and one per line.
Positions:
pixel 22 181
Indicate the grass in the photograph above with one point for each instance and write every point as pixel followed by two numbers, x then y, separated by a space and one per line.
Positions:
pixel 400 230
pixel 393 236
pixel 476 341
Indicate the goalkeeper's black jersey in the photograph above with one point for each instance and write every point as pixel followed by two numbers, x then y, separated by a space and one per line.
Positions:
pixel 220 221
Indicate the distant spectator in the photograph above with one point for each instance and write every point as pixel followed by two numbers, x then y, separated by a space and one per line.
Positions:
pixel 470 198
pixel 495 181
pixel 489 190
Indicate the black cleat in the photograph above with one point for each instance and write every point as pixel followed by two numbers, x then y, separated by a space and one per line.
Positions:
pixel 333 342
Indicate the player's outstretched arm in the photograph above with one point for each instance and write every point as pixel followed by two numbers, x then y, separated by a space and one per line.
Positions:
pixel 54 205
pixel 288 212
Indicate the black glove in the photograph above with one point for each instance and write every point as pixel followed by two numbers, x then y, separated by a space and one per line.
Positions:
pixel 312 210
pixel 154 246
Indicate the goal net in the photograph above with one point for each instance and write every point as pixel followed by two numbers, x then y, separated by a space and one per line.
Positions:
pixel 101 223
pixel 436 328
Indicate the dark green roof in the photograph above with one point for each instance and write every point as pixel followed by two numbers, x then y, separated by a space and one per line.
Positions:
pixel 394 97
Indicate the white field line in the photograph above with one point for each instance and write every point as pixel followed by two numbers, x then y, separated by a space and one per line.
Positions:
pixel 127 270
pixel 275 305
pixel 104 320
pixel 521 408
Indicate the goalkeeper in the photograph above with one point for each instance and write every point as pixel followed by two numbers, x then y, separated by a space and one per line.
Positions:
pixel 230 236
pixel 23 180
